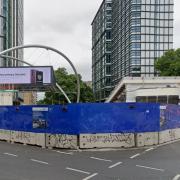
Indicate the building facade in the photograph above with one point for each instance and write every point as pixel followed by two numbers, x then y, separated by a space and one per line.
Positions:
pixel 11 35
pixel 101 50
pixel 29 98
pixel 142 30
pixel 12 29
pixel 164 90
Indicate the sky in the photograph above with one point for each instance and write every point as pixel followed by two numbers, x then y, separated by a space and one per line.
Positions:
pixel 66 26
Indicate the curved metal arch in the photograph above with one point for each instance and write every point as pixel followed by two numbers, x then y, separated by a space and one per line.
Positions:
pixel 54 50
pixel 60 88
pixel 57 85
pixel 16 59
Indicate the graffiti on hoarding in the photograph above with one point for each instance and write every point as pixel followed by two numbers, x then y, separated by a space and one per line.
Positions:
pixel 108 138
pixel 62 140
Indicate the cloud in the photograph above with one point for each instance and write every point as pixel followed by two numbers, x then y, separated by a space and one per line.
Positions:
pixel 65 25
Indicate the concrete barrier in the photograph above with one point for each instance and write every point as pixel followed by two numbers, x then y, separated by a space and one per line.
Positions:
pixel 106 140
pixel 169 135
pixel 28 138
pixel 177 133
pixel 16 136
pixel 5 135
pixel 88 141
pixel 147 139
pixel 40 139
pixel 166 136
pixel 61 141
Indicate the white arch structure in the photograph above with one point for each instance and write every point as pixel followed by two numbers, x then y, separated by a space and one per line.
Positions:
pixel 54 50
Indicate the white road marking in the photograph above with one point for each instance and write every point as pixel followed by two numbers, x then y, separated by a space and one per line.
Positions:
pixel 114 165
pixel 150 149
pixel 100 159
pixel 9 154
pixel 61 152
pixel 177 177
pixel 134 156
pixel 38 161
pixel 146 167
pixel 89 177
pixel 78 170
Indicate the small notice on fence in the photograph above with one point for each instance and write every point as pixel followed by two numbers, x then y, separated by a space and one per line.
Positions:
pixel 40 117
pixel 40 109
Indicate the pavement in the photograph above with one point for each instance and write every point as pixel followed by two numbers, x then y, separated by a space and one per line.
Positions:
pixel 19 162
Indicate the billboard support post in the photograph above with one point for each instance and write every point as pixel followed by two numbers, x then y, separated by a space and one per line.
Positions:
pixel 54 50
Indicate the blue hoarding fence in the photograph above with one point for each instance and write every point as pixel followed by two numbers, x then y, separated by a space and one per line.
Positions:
pixel 170 117
pixel 80 118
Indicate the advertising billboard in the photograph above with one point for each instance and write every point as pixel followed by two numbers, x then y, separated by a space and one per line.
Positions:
pixel 27 75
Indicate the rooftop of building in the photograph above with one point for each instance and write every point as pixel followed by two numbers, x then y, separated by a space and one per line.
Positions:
pixel 142 80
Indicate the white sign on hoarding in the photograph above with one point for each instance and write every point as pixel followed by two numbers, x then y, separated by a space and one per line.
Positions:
pixel 26 75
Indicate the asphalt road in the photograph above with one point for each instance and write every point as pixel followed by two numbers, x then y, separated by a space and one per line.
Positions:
pixel 18 162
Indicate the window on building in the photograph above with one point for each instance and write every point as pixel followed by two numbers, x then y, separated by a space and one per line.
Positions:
pixel 135 37
pixel 152 99
pixel 109 5
pixel 136 7
pixel 135 45
pixel 136 68
pixel 136 14
pixel 173 100
pixel 163 99
pixel 108 58
pixel 108 81
pixel 141 99
pixel 108 35
pixel 108 70
pixel 136 29
pixel 108 46
pixel 108 25
pixel 135 53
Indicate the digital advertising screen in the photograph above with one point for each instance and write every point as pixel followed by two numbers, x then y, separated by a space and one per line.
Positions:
pixel 27 75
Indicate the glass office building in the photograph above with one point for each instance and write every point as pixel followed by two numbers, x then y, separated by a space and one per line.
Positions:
pixel 11 29
pixel 101 50
pixel 142 30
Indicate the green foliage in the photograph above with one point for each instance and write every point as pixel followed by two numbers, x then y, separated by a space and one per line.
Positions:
pixel 169 63
pixel 68 83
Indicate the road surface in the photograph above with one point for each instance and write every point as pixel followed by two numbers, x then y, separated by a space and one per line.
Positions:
pixel 19 162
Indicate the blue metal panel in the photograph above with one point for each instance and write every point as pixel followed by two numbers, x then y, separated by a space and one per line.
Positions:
pixel 119 117
pixel 82 118
pixel 64 119
pixel 170 117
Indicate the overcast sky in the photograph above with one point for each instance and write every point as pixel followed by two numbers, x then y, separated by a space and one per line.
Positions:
pixel 66 25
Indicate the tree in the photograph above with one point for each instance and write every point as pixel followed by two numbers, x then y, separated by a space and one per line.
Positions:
pixel 69 84
pixel 169 63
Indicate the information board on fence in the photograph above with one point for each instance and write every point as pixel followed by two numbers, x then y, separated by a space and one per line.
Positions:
pixel 40 117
